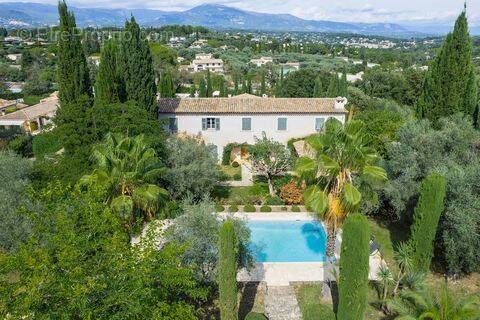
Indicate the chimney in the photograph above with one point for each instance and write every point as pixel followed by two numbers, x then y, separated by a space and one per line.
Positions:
pixel 340 103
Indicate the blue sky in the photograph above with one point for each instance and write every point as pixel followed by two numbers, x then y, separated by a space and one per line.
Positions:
pixel 395 11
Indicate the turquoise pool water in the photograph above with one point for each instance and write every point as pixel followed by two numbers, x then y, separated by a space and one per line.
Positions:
pixel 287 241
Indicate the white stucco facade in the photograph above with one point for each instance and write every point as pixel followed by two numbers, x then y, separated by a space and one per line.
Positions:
pixel 231 126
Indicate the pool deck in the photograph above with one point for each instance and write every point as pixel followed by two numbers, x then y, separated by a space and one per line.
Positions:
pixel 283 273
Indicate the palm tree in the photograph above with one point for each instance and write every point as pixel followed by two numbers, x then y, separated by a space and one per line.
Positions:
pixel 423 304
pixel 340 174
pixel 127 168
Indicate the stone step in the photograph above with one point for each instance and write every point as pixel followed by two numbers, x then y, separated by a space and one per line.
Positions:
pixel 281 303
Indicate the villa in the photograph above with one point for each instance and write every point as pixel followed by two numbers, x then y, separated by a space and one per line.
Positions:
pixel 261 61
pixel 32 119
pixel 242 118
pixel 204 62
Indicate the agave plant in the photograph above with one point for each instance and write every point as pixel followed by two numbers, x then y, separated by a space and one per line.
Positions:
pixel 127 168
pixel 425 304
pixel 341 174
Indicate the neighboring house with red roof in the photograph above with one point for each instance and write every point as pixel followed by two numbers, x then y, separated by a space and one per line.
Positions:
pixel 242 118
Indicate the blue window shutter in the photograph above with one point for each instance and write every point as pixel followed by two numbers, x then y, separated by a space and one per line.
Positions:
pixel 204 123
pixel 319 122
pixel 246 124
pixel 217 124
pixel 282 124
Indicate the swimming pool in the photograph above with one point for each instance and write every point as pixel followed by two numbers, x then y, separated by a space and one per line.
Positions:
pixel 287 241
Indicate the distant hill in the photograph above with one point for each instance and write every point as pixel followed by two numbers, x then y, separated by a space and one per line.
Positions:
pixel 14 14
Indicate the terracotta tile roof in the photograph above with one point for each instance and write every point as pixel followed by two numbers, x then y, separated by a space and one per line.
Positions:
pixel 246 103
pixel 46 107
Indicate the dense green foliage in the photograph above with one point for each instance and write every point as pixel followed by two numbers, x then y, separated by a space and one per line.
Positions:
pixel 192 169
pixel 127 168
pixel 342 174
pixel 425 221
pixel 301 84
pixel 255 316
pixel 108 85
pixel 450 85
pixel 227 272
pixel 452 151
pixel 426 304
pixel 137 69
pixel 354 266
pixel 73 74
pixel 166 86
pixel 77 243
pixel 198 227
pixel 14 222
pixel 45 144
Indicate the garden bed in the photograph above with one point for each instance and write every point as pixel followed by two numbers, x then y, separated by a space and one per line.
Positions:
pixel 260 208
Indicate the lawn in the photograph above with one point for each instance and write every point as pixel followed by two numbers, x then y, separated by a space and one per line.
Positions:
pixel 309 299
pixel 31 100
pixel 229 172
pixel 241 195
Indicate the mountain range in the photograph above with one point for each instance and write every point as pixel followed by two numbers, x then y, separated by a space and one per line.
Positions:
pixel 25 14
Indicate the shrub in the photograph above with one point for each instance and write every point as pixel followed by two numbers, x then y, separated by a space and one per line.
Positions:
pixel 22 145
pixel 273 201
pixel 425 221
pixel 249 208
pixel 227 272
pixel 235 164
pixel 171 210
pixel 291 193
pixel 265 208
pixel 255 316
pixel 45 143
pixel 233 208
pixel 237 177
pixel 219 208
pixel 353 283
pixel 284 208
pixel 296 209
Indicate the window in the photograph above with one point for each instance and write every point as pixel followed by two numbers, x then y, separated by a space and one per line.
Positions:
pixel 282 124
pixel 210 123
pixel 319 122
pixel 173 124
pixel 246 124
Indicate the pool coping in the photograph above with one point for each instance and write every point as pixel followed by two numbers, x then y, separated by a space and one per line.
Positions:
pixel 284 273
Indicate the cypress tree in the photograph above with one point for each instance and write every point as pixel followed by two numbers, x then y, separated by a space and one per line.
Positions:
pixel 227 272
pixel 167 89
pixel 75 92
pixel 249 86
pixel 318 89
pixel 355 253
pixel 425 221
pixel 450 85
pixel 263 88
pixel 343 85
pixel 108 84
pixel 202 88
pixel 235 85
pixel 223 89
pixel 209 85
pixel 137 68
pixel 244 85
pixel 193 90
pixel 72 72
pixel 333 87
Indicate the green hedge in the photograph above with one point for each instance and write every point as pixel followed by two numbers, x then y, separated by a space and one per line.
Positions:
pixel 274 201
pixel 233 208
pixel 353 282
pixel 296 209
pixel 265 209
pixel 45 143
pixel 219 208
pixel 227 272
pixel 249 208
pixel 425 221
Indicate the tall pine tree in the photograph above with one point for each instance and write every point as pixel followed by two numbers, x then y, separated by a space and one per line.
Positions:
pixel 73 74
pixel 108 86
pixel 137 68
pixel 450 85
